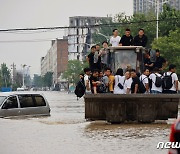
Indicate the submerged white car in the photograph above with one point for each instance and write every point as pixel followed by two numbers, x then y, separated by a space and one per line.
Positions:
pixel 23 104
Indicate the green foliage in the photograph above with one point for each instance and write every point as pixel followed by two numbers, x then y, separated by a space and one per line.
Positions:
pixel 169 20
pixel 5 76
pixel 47 79
pixel 170 47
pixel 166 25
pixel 74 68
pixel 37 81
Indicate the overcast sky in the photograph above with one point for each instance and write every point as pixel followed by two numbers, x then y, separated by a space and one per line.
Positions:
pixel 45 13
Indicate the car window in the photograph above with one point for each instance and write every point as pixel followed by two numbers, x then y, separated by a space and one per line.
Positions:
pixel 39 101
pixel 26 101
pixel 10 103
pixel 2 98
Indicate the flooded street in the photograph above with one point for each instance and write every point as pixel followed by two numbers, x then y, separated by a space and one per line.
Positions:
pixel 67 132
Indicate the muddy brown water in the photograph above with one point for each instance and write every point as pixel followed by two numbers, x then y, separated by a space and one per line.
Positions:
pixel 67 132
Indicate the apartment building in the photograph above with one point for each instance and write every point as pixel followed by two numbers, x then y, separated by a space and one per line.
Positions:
pixel 79 38
pixel 144 6
pixel 56 59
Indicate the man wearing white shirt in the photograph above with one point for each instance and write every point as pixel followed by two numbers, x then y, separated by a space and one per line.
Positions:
pixel 87 84
pixel 115 39
pixel 127 83
pixel 155 89
pixel 144 79
pixel 171 72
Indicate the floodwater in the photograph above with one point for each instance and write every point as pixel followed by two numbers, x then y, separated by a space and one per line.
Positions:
pixel 67 132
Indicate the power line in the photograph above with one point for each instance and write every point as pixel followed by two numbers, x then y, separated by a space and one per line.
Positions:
pixel 37 40
pixel 89 26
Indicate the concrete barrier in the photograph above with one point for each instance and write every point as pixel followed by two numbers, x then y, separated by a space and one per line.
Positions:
pixel 145 108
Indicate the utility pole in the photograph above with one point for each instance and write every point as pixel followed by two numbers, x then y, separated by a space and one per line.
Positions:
pixel 157 19
pixel 157 7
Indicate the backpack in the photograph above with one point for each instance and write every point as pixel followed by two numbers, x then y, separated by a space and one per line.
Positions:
pixel 101 88
pixel 158 81
pixel 80 89
pixel 142 88
pixel 167 81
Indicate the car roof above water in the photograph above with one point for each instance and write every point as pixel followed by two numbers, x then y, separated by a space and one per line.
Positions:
pixel 19 93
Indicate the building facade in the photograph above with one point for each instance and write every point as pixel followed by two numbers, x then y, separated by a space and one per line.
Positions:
pixel 145 6
pixel 56 59
pixel 79 37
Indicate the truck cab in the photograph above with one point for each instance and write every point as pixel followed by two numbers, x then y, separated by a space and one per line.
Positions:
pixel 126 57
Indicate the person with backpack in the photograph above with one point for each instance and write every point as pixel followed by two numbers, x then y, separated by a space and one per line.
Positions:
pixel 170 81
pixel 119 82
pixel 144 82
pixel 135 82
pixel 156 79
pixel 87 84
pixel 101 88
pixel 80 87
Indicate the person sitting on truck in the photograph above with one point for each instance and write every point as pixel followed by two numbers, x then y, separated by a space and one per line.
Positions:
pixel 127 83
pixel 115 39
pixel 135 82
pixel 119 82
pixel 94 81
pixel 140 39
pixel 156 79
pixel 170 80
pixel 127 39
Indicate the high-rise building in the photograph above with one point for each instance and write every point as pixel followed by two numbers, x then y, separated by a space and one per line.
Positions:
pixel 79 37
pixel 144 6
pixel 56 59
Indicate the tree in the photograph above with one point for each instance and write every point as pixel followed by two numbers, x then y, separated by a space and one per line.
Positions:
pixel 170 47
pixel 37 81
pixel 47 79
pixel 169 20
pixel 5 76
pixel 74 68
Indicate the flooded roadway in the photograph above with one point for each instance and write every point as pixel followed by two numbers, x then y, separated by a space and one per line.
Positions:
pixel 67 132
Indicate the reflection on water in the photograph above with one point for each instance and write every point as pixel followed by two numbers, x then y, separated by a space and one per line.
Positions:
pixel 66 131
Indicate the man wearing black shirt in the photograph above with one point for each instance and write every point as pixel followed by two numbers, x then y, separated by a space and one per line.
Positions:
pixel 135 83
pixel 127 39
pixel 147 62
pixel 140 39
pixel 94 81
pixel 160 61
pixel 90 58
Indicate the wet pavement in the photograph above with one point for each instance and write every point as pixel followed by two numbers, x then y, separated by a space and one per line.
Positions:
pixel 67 132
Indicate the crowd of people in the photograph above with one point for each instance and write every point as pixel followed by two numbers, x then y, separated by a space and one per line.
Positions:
pixel 98 58
pixel 98 78
pixel 131 82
